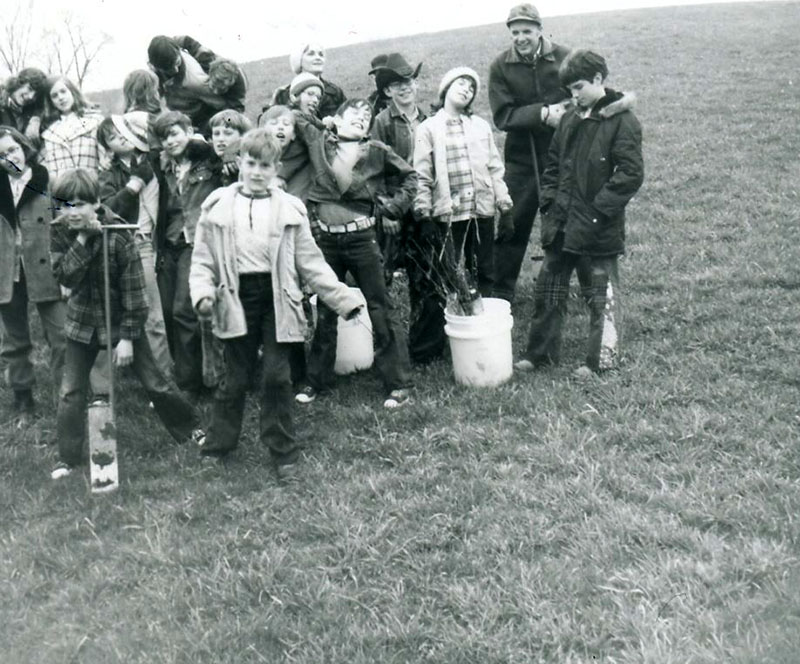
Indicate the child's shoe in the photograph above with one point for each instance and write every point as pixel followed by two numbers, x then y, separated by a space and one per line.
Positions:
pixel 60 470
pixel 524 366
pixel 198 437
pixel 306 395
pixel 397 398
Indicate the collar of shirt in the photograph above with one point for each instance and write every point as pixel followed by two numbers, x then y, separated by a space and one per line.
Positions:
pixel 18 184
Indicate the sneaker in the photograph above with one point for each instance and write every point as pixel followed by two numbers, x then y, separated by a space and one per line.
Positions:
pixel 60 470
pixel 397 398
pixel 198 437
pixel 524 366
pixel 306 395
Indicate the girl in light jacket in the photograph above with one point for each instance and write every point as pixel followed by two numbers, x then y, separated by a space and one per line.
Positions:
pixel 459 192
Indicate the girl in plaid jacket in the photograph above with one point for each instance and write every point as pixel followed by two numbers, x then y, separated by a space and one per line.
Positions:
pixel 70 136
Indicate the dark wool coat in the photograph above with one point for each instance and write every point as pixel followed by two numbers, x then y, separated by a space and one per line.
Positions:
pixel 594 168
pixel 517 92
pixel 33 215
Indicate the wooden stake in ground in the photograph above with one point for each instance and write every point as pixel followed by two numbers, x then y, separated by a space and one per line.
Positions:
pixel 103 467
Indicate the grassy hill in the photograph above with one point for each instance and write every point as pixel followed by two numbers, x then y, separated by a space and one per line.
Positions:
pixel 649 516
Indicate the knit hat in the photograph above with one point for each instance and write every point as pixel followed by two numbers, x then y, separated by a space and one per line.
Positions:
pixel 455 73
pixel 303 81
pixel 524 12
pixel 162 52
pixel 296 57
pixel 133 126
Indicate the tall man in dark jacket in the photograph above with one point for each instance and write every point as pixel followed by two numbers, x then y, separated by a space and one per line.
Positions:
pixel 527 102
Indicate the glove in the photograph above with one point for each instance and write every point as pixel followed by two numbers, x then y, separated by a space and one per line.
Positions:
pixel 505 226
pixel 427 229
pixel 143 170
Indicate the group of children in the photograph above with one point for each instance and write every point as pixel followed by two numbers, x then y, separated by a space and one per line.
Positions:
pixel 233 230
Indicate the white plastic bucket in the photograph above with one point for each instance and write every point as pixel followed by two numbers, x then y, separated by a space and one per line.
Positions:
pixel 481 345
pixel 354 347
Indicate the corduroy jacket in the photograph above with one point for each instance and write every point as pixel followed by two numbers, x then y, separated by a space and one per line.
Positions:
pixel 594 168
pixel 517 92
pixel 32 215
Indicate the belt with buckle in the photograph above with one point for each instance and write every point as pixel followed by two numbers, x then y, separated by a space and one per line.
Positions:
pixel 358 224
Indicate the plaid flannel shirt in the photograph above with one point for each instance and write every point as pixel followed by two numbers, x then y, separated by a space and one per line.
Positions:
pixel 72 145
pixel 459 172
pixel 80 268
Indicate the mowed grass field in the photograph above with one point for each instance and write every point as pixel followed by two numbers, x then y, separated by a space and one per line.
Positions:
pixel 647 516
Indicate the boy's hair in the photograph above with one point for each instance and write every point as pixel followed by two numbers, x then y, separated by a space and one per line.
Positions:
pixel 261 145
pixel 140 90
pixel 79 103
pixel 275 112
pixel 162 52
pixel 77 184
pixel 169 119
pixel 222 74
pixel 356 102
pixel 104 131
pixel 22 141
pixel 582 65
pixel 232 119
pixel 36 78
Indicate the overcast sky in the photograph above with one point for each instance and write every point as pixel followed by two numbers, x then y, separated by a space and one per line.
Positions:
pixel 247 31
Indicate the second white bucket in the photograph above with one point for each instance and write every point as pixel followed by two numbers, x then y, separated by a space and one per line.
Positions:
pixel 481 345
pixel 354 347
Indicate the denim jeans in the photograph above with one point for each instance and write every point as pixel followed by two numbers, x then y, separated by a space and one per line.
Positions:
pixel 154 326
pixel 358 253
pixel 508 254
pixel 183 330
pixel 598 277
pixel 276 428
pixel 17 346
pixel 176 414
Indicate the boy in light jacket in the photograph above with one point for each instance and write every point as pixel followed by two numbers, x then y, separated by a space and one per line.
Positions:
pixel 252 248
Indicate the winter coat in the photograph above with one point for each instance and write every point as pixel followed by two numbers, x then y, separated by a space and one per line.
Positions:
pixel 73 147
pixel 430 162
pixel 293 255
pixel 517 92
pixel 594 168
pixel 32 215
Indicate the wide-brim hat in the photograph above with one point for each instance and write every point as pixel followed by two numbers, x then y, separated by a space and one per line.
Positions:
pixel 396 64
pixel 133 126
